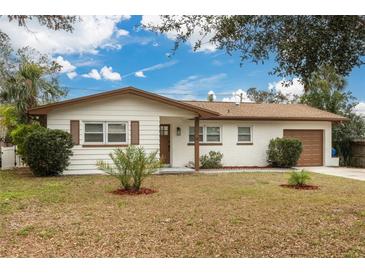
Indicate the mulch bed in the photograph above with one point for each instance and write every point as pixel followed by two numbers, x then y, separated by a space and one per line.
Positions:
pixel 302 187
pixel 245 167
pixel 141 191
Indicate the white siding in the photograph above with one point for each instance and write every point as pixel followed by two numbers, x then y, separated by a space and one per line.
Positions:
pixel 240 155
pixel 124 108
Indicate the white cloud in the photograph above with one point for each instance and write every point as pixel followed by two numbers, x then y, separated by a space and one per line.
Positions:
pixel 140 74
pixel 236 96
pixel 212 93
pixel 190 86
pixel 122 32
pixel 290 91
pixel 94 74
pixel 71 74
pixel 88 35
pixel 360 108
pixel 108 74
pixel 67 67
pixel 199 34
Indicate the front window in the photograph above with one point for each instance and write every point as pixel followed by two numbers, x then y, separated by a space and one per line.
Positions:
pixel 117 133
pixel 213 134
pixel 105 132
pixel 94 132
pixel 244 134
pixel 192 132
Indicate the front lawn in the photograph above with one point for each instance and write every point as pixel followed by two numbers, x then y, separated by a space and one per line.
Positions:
pixel 225 215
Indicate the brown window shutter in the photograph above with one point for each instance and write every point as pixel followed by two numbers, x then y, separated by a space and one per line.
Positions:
pixel 75 131
pixel 134 132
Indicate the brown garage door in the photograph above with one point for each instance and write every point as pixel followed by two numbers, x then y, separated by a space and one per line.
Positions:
pixel 312 141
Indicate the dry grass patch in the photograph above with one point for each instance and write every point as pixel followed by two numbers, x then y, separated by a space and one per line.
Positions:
pixel 225 215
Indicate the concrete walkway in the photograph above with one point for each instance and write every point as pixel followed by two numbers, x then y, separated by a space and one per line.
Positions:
pixel 235 170
pixel 185 170
pixel 345 172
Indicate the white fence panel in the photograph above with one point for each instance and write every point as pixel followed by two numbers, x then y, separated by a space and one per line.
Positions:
pixel 9 158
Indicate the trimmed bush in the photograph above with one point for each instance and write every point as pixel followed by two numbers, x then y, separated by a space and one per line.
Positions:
pixel 211 160
pixel 284 152
pixel 131 163
pixel 20 133
pixel 47 151
pixel 299 178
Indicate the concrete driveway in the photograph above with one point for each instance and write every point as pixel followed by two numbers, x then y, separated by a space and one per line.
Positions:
pixel 351 173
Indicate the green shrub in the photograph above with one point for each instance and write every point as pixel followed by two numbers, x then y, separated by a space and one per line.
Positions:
pixel 211 160
pixel 284 152
pixel 20 133
pixel 47 151
pixel 299 178
pixel 131 166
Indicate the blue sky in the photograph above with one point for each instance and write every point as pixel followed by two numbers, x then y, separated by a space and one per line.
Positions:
pixel 107 53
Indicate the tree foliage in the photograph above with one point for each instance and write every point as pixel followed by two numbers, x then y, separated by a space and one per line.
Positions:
pixel 299 44
pixel 29 79
pixel 269 97
pixel 326 92
pixel 19 135
pixel 53 22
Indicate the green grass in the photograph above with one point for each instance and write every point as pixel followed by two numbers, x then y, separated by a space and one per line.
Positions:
pixel 225 215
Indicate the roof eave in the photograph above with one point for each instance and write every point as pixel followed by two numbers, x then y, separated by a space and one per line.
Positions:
pixel 251 118
pixel 41 110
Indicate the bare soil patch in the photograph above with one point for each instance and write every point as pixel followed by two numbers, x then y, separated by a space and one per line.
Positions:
pixel 302 187
pixel 141 191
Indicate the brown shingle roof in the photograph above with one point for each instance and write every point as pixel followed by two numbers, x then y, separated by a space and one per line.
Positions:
pixel 212 110
pixel 251 111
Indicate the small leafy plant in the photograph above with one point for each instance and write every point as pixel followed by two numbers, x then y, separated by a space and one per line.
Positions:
pixel 299 178
pixel 211 160
pixel 131 166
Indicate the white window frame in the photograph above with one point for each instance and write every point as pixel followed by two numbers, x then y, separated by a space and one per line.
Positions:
pixel 251 135
pixel 105 132
pixel 192 142
pixel 204 141
pixel 206 135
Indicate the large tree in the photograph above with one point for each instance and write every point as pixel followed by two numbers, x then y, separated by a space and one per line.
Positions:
pixel 29 79
pixel 326 91
pixel 299 44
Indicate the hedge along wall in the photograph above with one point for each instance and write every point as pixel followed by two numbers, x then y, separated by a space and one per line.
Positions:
pixel 358 153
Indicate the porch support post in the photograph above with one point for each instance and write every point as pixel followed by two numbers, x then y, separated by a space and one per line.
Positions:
pixel 196 143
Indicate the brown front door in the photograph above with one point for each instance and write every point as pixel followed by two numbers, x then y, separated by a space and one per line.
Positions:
pixel 165 144
pixel 312 141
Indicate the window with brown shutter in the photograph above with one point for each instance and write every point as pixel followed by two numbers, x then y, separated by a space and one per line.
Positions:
pixel 134 132
pixel 75 131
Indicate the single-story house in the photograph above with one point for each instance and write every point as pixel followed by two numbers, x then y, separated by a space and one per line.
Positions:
pixel 183 130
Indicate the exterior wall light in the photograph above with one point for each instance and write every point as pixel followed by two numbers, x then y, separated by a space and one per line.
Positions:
pixel 178 131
